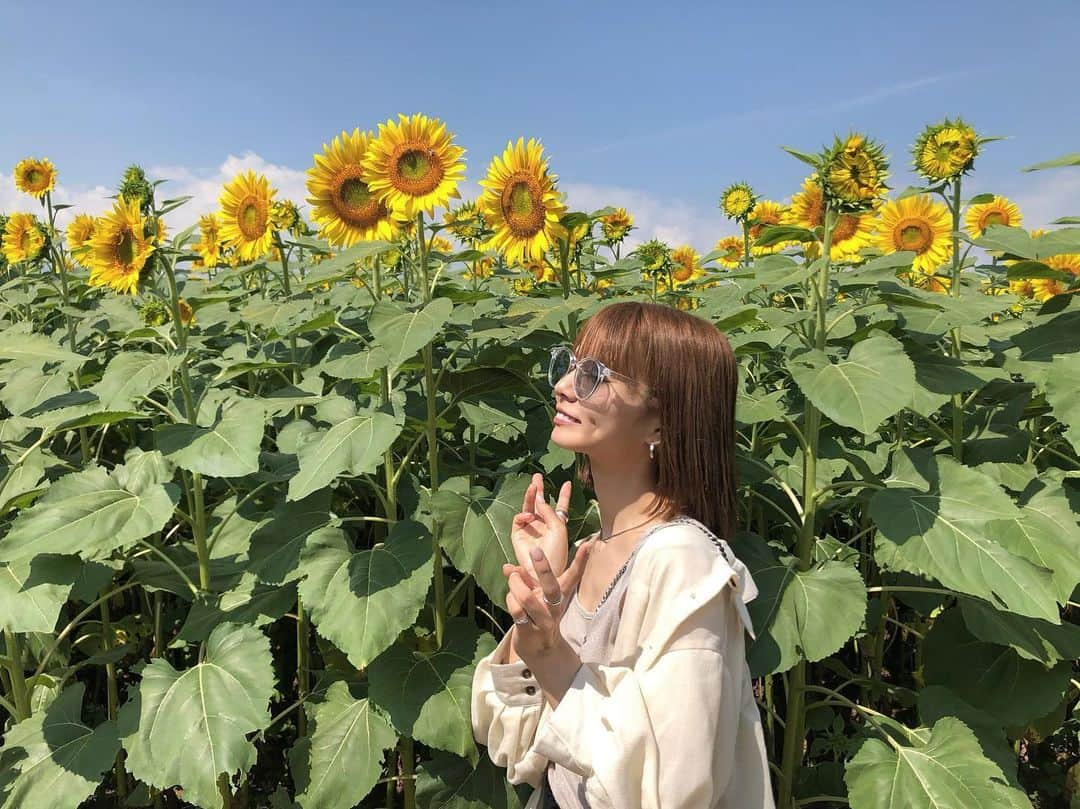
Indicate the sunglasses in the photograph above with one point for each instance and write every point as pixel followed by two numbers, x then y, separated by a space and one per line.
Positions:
pixel 590 372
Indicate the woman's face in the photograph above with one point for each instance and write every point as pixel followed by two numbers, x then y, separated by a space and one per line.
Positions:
pixel 614 423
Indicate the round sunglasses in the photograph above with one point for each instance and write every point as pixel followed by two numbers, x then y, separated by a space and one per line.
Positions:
pixel 590 372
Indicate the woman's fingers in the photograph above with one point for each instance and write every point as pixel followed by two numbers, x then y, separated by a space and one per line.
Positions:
pixel 564 496
pixel 526 597
pixel 548 583
pixel 572 575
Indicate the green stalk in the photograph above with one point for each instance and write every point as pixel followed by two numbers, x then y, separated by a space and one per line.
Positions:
pixel 433 469
pixel 795 718
pixel 408 778
pixel 19 693
pixel 954 333
pixel 113 693
pixel 746 243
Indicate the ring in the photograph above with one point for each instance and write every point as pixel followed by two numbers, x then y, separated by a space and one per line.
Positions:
pixel 553 604
pixel 562 513
pixel 527 620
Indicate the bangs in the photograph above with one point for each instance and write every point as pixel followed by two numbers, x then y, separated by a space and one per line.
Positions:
pixel 619 337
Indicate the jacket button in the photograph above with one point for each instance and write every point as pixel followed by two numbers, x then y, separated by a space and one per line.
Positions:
pixel 530 689
pixel 526 673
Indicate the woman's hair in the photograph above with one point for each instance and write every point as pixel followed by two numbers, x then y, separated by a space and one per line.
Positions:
pixel 689 366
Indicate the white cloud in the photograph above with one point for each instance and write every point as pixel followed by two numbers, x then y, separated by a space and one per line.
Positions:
pixel 673 221
pixel 1045 196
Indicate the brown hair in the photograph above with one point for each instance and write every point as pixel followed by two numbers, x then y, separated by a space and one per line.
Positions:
pixel 689 367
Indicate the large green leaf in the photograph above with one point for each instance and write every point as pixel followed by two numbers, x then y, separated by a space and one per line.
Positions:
pixel 32 592
pixel 344 758
pixel 947 772
pixel 130 376
pixel 53 758
pixel 355 446
pixel 224 444
pixel 476 528
pixel 362 600
pixel 933 521
pixel 188 727
pixel 274 552
pixel 1031 638
pixel 996 679
pixel 34 350
pixel 249 601
pixel 787 614
pixel 451 782
pixel 428 694
pixel 1062 382
pixel 90 513
pixel 874 382
pixel 401 332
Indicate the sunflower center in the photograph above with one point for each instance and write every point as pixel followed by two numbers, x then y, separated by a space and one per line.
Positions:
pixel 24 241
pixel 417 169
pixel 913 234
pixel 125 247
pixel 34 176
pixel 251 217
pixel 522 205
pixel 994 218
pixel 353 201
pixel 845 228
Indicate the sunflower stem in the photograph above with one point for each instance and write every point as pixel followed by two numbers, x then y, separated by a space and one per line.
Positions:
pixel 432 393
pixel 112 692
pixel 20 696
pixel 954 333
pixel 795 719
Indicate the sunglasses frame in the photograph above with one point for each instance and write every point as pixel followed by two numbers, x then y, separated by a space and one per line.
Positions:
pixel 602 376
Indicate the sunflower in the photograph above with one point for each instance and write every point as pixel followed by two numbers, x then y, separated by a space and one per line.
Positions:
pixel 121 247
pixel 157 231
pixel 285 216
pixel 765 213
pixel 945 150
pixel 928 281
pixel 655 255
pixel 209 245
pixel 520 202
pixel 1043 289
pixel 35 177
pixel 616 225
pixel 484 268
pixel 1022 287
pixel 522 286
pixel 540 271
pixel 737 202
pixel 733 251
pixel 466 222
pixel 79 233
pixel 187 314
pixel 999 211
pixel 135 185
pixel 413 165
pixel 851 233
pixel 600 284
pixel 23 238
pixel 441 245
pixel 685 265
pixel 918 224
pixel 245 215
pixel 854 171
pixel 344 206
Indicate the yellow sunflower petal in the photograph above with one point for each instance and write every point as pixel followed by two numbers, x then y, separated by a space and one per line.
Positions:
pixel 23 238
pixel 245 215
pixel 35 177
pixel 121 248
pixel 919 224
pixel 999 211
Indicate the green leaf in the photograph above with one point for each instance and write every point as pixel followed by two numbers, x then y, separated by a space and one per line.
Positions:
pixel 476 528
pixel 774 234
pixel 428 695
pixel 499 418
pixel 996 679
pixel 872 384
pixel 948 771
pixel 32 592
pixel 53 758
pixel 451 782
pixel 89 513
pixel 1061 385
pixel 188 727
pixel 344 758
pixel 249 602
pixel 787 612
pixel 809 159
pixel 362 600
pixel 1013 240
pixel 355 446
pixel 1058 162
pixel 223 445
pixel 933 520
pixel 402 333
pixel 1031 638
pixel 274 553
pixel 130 376
pixel 34 350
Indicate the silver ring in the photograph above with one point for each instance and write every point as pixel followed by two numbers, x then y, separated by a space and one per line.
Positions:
pixel 550 604
pixel 527 620
pixel 562 513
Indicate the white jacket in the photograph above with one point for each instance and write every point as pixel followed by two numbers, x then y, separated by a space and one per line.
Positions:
pixel 671 723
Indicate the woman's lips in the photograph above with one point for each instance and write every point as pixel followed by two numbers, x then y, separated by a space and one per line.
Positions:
pixel 560 418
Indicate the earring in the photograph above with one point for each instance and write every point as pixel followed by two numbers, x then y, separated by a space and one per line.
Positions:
pixel 652 449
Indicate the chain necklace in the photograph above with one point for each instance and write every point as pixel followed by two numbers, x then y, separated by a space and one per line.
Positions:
pixel 623 531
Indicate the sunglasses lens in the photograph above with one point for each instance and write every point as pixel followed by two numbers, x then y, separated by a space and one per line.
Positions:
pixel 559 367
pixel 586 379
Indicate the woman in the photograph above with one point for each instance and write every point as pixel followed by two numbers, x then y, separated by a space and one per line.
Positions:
pixel 623 682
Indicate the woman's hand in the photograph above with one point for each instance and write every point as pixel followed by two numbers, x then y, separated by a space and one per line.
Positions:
pixel 538 526
pixel 543 599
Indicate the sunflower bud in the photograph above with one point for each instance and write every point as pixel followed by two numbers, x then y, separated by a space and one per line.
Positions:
pixel 155 313
pixel 655 255
pixel 945 150
pixel 134 185
pixel 854 170
pixel 737 202
pixel 616 225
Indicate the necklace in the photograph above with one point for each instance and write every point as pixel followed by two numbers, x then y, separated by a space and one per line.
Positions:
pixel 623 531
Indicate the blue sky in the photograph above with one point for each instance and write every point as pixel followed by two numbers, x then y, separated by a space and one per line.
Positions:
pixel 654 106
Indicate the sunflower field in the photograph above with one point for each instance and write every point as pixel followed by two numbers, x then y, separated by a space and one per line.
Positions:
pixel 257 476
